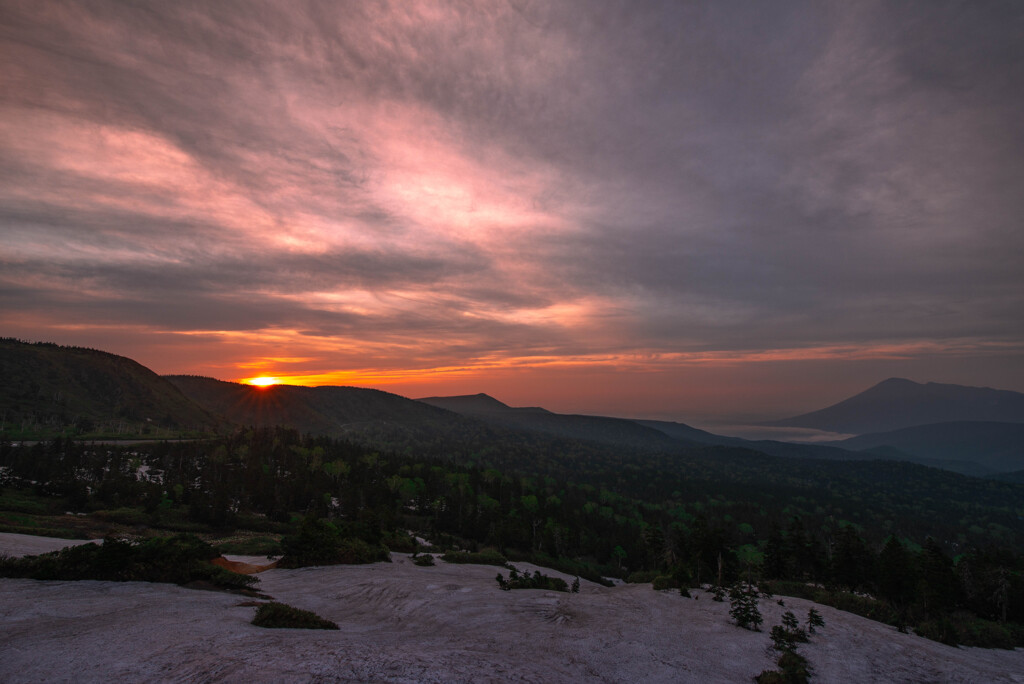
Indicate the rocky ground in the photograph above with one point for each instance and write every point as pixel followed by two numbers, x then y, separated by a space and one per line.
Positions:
pixel 403 623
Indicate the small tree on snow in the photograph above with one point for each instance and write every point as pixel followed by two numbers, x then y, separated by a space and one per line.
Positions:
pixel 814 619
pixel 743 606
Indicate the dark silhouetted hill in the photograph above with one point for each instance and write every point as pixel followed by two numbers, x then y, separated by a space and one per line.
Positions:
pixel 600 429
pixel 332 411
pixel 897 403
pixel 47 389
pixel 478 404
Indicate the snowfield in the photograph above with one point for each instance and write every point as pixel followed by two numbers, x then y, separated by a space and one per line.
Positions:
pixel 402 623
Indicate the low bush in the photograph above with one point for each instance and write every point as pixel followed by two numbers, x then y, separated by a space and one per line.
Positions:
pixel 485 557
pixel 957 628
pixel 282 616
pixel 569 566
pixel 124 516
pixel 865 606
pixel 537 580
pixel 975 631
pixel 793 669
pixel 642 577
pixel 423 560
pixel 664 582
pixel 318 542
pixel 399 541
pixel 251 546
pixel 181 559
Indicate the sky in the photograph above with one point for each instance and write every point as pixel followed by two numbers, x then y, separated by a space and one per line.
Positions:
pixel 688 210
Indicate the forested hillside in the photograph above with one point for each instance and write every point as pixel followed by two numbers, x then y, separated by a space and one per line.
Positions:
pixel 712 515
pixel 47 389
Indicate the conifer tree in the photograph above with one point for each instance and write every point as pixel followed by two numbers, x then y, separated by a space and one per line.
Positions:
pixel 743 606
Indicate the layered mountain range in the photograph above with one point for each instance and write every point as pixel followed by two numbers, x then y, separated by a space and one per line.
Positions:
pixel 46 389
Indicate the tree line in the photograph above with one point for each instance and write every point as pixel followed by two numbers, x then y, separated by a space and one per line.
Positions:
pixel 639 520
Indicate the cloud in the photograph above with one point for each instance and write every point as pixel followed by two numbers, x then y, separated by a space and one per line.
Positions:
pixel 461 185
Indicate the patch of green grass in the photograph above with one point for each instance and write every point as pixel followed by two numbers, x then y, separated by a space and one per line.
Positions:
pixel 282 616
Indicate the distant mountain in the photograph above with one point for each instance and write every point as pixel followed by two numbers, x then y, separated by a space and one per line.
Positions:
pixel 332 411
pixel 601 429
pixel 982 447
pixel 477 404
pixel 897 403
pixel 47 389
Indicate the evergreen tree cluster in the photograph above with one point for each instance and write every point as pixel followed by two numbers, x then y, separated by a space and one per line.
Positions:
pixel 343 502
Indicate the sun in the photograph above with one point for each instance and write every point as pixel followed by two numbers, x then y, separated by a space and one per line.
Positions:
pixel 264 381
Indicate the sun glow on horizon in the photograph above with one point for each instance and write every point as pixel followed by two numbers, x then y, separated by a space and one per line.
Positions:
pixel 262 381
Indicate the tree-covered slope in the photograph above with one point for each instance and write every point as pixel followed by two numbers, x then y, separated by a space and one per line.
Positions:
pixel 48 389
pixel 331 411
pixel 989 446
pixel 600 429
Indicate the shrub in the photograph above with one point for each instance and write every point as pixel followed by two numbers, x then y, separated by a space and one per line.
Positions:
pixel 423 560
pixel 318 542
pixel 941 629
pixel 251 546
pixel 782 639
pixel 537 580
pixel 792 625
pixel 793 669
pixel 400 541
pixel 569 566
pixel 485 557
pixel 642 577
pixel 180 559
pixel 125 516
pixel 282 616
pixel 664 582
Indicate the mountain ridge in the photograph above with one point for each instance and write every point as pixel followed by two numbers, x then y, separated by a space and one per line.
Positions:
pixel 897 403
pixel 76 389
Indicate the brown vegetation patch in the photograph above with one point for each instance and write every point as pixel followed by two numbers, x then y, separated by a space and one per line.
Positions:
pixel 242 568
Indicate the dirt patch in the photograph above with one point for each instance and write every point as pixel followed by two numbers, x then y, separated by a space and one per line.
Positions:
pixel 242 567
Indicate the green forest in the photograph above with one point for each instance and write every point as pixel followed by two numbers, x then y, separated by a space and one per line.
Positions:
pixel 912 546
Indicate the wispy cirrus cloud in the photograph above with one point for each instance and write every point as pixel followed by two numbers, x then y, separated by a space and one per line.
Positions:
pixel 408 192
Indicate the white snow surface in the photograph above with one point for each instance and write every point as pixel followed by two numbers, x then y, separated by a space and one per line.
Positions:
pixel 447 623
